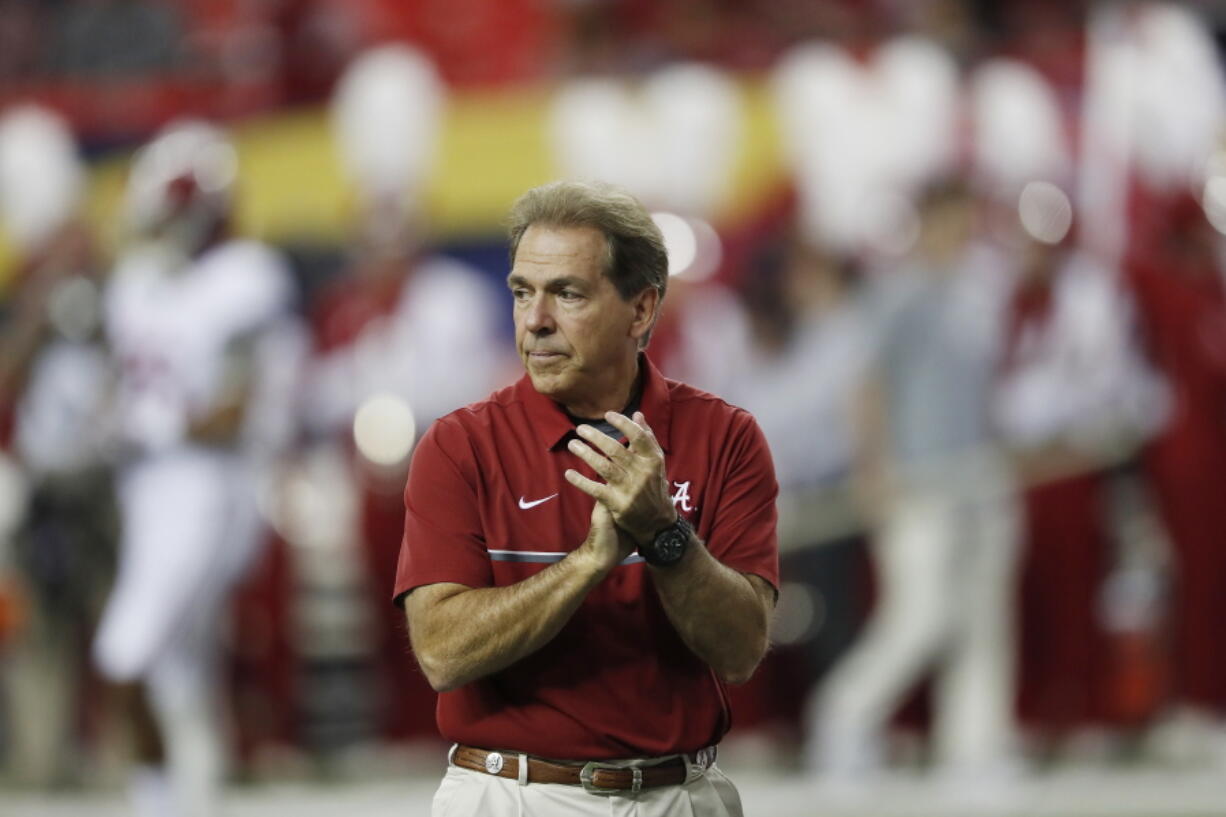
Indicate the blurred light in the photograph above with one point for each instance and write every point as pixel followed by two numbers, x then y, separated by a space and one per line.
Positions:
pixel 1214 202
pixel 693 246
pixel 800 613
pixel 679 241
pixel 892 225
pixel 1045 212
pixel 384 429
pixel 710 251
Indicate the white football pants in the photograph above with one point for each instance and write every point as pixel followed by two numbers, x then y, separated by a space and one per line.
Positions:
pixel 189 532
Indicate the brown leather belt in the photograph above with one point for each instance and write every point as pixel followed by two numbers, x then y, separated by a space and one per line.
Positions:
pixel 595 777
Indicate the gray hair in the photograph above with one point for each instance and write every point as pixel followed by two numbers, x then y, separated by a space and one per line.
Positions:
pixel 635 257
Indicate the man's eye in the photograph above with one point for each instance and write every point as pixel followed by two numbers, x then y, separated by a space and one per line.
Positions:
pixel 520 294
pixel 569 295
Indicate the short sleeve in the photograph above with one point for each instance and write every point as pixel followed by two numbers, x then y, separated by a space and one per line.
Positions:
pixel 743 534
pixel 443 538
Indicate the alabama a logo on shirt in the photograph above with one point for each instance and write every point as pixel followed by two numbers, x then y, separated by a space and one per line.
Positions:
pixel 681 497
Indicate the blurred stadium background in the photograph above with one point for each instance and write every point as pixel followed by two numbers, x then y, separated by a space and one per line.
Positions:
pixel 809 162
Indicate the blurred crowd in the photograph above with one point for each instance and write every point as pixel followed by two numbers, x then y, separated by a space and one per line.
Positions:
pixel 980 316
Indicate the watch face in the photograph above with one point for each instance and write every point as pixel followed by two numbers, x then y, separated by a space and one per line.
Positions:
pixel 669 547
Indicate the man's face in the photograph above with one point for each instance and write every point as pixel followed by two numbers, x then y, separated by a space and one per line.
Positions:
pixel 577 337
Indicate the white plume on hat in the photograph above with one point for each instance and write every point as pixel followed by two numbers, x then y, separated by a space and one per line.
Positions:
pixel 598 132
pixel 41 175
pixel 857 135
pixel 1154 108
pixel 922 80
pixel 673 143
pixel 811 83
pixel 386 114
pixel 1179 115
pixel 695 113
pixel 1019 135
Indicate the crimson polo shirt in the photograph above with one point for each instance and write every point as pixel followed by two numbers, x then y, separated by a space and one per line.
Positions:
pixel 487 505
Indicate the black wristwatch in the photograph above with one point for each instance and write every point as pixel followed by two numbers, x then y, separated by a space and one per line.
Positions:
pixel 668 546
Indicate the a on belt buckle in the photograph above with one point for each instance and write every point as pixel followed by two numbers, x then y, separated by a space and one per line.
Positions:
pixel 589 770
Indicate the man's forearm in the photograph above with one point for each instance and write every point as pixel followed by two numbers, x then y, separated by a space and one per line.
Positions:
pixel 720 613
pixel 462 634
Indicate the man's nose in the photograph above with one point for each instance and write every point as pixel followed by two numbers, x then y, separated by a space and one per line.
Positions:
pixel 540 317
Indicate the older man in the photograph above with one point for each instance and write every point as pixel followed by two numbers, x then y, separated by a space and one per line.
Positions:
pixel 589 555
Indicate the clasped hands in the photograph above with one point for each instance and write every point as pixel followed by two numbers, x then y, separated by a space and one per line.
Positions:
pixel 635 491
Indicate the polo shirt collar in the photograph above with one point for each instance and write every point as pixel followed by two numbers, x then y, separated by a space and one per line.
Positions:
pixel 553 426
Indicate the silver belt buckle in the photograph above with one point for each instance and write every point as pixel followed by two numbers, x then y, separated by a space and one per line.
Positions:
pixel 589 769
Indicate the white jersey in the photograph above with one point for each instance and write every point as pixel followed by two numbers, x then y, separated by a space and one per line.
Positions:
pixel 172 330
pixel 190 522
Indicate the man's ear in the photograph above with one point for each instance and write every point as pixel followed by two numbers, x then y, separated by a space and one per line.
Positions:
pixel 646 305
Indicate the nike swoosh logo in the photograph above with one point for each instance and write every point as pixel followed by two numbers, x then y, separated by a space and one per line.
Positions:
pixel 525 505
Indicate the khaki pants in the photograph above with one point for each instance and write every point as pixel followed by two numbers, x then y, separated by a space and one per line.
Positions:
pixel 946 566
pixel 465 793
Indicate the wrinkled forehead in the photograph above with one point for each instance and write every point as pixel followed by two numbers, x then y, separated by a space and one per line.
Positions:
pixel 549 250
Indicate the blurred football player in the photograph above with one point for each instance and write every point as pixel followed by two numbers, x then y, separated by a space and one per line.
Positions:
pixel 199 324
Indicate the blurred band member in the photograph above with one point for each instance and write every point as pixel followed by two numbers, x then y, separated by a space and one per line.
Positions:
pixel 197 322
pixel 1153 126
pixel 53 379
pixel 402 336
pixel 1074 399
pixel 672 140
pixel 1182 303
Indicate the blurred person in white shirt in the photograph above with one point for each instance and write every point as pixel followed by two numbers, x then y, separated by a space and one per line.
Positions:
pixel 943 515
